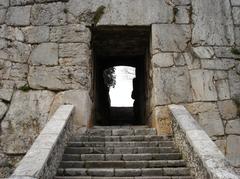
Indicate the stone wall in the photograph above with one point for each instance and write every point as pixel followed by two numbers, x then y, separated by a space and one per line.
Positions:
pixel 46 60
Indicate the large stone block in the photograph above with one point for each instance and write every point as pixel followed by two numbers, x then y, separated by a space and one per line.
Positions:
pixel 182 16
pixel 6 90
pixel 36 34
pixel 25 118
pixel 45 54
pixel 233 152
pixel 170 37
pixel 71 33
pixel 163 60
pixel 2 15
pixel 82 102
pixel 233 127
pixel 234 83
pixel 48 14
pixel 59 78
pixel 171 85
pixel 235 2
pixel 211 123
pixel 19 15
pixel 202 83
pixel 218 64
pixel 123 12
pixel 236 15
pixel 228 109
pixel 203 52
pixel 74 54
pixel 222 88
pixel 212 27
pixel 3 109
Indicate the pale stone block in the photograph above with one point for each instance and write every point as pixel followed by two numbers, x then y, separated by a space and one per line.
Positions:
pixel 236 15
pixel 27 114
pixel 170 37
pixel 6 90
pixel 234 83
pixel 212 27
pixel 237 37
pixel 36 34
pixel 228 109
pixel 233 127
pixel 45 54
pixel 179 59
pixel 78 98
pixel 222 145
pixel 223 89
pixel 203 52
pixel 203 85
pixel 235 2
pixel 19 15
pixel 233 152
pixel 162 60
pixel 182 16
pixel 218 64
pixel 48 14
pixel 20 2
pixel 2 15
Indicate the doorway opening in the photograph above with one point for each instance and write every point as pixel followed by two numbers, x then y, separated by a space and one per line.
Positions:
pixel 119 68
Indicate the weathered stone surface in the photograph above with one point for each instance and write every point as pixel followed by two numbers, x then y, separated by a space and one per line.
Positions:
pixel 179 59
pixel 21 2
pixel 211 123
pixel 78 98
pixel 203 88
pixel 59 78
pixel 233 152
pixel 4 3
pixel 222 88
pixel 238 69
pixel 45 54
pixel 36 34
pixel 121 12
pixel 234 83
pixel 18 15
pixel 220 75
pixel 224 52
pixel 236 15
pixel 162 60
pixel 233 127
pixel 237 36
pixel 11 33
pixel 16 52
pixel 228 109
pixel 6 90
pixel 2 15
pixel 48 14
pixel 24 120
pixel 201 107
pixel 13 71
pixel 181 2
pixel 218 64
pixel 235 2
pixel 212 27
pixel 171 85
pixel 192 62
pixel 203 52
pixel 170 37
pixel 70 33
pixel 221 144
pixel 3 109
pixel 74 54
pixel 182 16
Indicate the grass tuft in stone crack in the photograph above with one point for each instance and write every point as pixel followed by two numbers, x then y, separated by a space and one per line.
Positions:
pixel 98 14
pixel 24 88
pixel 235 51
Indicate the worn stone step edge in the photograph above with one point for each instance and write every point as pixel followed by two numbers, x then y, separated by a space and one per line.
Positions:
pixel 123 144
pixel 109 172
pixel 119 150
pixel 143 177
pixel 123 164
pixel 89 138
pixel 124 157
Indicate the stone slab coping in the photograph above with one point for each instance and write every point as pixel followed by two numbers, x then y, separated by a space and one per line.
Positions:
pixel 36 158
pixel 212 158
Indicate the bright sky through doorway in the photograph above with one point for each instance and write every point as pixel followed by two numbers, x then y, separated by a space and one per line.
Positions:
pixel 121 95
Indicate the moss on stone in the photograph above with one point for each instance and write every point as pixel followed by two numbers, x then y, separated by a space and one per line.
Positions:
pixel 24 88
pixel 235 51
pixel 98 14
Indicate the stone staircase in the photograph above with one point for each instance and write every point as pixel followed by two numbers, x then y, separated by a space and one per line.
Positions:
pixel 122 153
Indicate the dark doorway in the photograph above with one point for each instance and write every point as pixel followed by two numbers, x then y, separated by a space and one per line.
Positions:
pixel 119 46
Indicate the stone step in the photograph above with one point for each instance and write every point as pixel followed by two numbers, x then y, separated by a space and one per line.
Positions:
pixel 123 164
pixel 121 132
pixel 122 144
pixel 143 177
pixel 119 150
pixel 123 172
pixel 88 138
pixel 124 157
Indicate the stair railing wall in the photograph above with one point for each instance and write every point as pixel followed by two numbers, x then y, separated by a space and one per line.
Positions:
pixel 44 156
pixel 204 158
